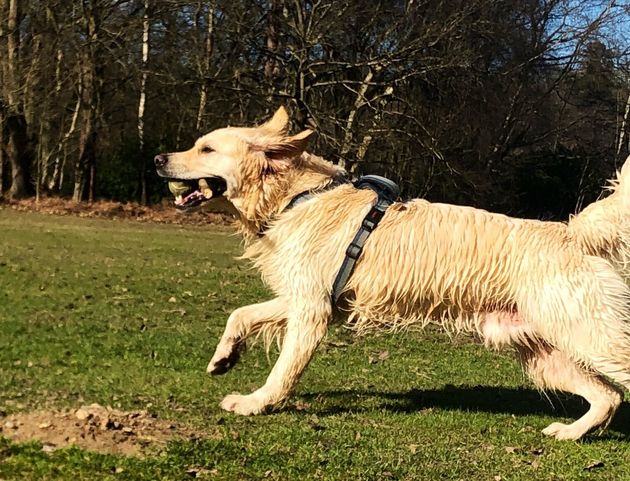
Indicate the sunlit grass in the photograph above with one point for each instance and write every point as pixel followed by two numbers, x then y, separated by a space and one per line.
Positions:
pixel 87 315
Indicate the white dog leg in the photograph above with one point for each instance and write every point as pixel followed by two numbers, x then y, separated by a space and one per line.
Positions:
pixel 551 369
pixel 242 323
pixel 305 330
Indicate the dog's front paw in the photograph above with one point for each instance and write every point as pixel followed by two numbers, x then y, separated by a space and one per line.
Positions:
pixel 564 431
pixel 225 359
pixel 244 405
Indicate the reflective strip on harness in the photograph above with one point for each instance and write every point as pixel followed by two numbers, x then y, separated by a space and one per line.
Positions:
pixel 387 192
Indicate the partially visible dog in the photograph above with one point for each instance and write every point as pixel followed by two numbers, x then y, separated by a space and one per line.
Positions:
pixel 555 291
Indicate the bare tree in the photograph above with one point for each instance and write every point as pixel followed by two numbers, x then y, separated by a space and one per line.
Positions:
pixel 204 70
pixel 274 11
pixel 90 66
pixel 14 119
pixel 55 180
pixel 621 139
pixel 510 105
pixel 3 8
pixel 142 101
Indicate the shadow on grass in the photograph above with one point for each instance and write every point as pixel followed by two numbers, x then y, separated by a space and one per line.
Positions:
pixel 488 399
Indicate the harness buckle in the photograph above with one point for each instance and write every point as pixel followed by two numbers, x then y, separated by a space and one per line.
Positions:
pixel 372 219
pixel 354 251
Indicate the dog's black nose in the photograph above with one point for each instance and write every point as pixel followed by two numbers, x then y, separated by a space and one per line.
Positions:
pixel 160 160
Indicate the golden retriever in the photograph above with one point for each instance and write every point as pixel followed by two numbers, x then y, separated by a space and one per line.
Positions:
pixel 555 291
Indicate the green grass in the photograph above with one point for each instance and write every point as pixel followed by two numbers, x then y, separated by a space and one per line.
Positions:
pixel 85 317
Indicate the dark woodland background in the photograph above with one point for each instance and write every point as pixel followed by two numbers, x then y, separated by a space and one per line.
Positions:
pixel 519 106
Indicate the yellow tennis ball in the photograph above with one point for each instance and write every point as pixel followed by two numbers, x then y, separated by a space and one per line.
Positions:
pixel 178 188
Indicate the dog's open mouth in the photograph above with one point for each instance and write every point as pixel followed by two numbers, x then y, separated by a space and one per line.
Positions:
pixel 191 193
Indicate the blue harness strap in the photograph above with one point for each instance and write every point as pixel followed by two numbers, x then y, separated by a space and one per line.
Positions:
pixel 387 192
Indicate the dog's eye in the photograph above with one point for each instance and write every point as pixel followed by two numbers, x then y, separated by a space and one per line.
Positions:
pixel 206 149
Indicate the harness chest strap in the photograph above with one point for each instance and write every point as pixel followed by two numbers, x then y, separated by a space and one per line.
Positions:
pixel 387 192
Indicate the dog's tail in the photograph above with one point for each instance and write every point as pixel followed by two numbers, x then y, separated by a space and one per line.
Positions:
pixel 603 228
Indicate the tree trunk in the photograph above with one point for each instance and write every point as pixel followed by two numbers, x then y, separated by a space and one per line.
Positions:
pixel 84 166
pixel 141 103
pixel 273 18
pixel 17 153
pixel 205 67
pixel 39 159
pixel 58 77
pixel 13 48
pixel 362 149
pixel 92 164
pixel 624 126
pixel 3 6
pixel 359 102
pixel 16 126
pixel 84 171
pixel 1 151
pixel 55 179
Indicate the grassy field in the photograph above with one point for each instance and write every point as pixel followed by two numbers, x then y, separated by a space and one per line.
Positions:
pixel 87 316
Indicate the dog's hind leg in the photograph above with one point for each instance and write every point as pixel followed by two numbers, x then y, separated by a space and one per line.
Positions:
pixel 245 321
pixel 306 327
pixel 551 369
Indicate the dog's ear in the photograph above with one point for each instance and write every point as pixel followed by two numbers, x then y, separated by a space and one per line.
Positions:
pixel 279 154
pixel 288 147
pixel 279 123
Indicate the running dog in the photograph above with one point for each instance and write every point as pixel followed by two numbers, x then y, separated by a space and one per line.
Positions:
pixel 554 291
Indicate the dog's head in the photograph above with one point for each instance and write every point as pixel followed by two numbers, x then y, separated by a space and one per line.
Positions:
pixel 232 161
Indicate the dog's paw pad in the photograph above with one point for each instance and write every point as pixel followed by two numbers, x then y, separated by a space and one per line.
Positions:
pixel 562 431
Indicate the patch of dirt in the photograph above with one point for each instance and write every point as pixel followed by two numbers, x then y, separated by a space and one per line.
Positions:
pixel 218 211
pixel 96 428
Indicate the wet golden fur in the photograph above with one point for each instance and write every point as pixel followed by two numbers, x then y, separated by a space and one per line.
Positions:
pixel 555 291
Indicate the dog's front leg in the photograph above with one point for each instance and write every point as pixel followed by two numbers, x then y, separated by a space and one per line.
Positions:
pixel 241 324
pixel 306 328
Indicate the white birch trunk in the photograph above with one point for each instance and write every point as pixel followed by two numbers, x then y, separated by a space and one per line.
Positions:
pixel 358 103
pixel 58 64
pixel 369 135
pixel 142 101
pixel 624 126
pixel 56 179
pixel 13 45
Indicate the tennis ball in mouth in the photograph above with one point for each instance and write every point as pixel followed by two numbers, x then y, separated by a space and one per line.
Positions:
pixel 178 188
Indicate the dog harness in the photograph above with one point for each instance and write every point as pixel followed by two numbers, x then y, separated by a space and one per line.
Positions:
pixel 387 192
pixel 306 195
